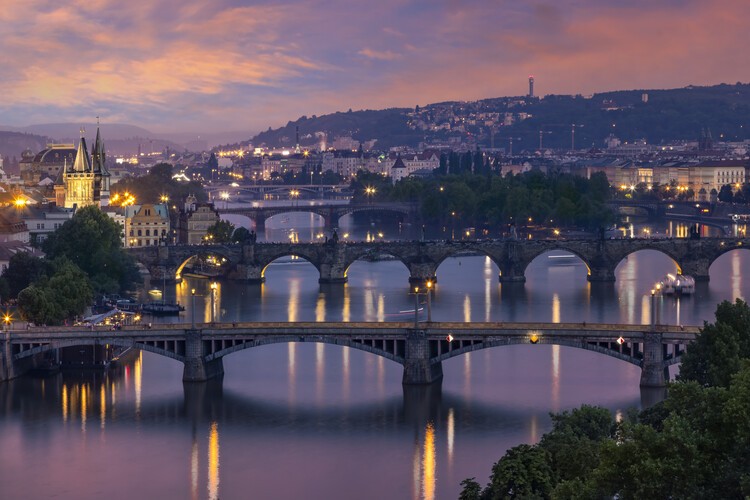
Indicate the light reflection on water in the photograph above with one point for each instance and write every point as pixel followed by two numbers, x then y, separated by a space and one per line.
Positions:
pixel 303 420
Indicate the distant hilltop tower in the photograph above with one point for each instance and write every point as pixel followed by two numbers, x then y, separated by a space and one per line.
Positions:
pixel 531 85
pixel 296 147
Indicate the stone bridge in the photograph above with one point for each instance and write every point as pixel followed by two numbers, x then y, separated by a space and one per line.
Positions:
pixel 330 213
pixel 420 350
pixel 422 258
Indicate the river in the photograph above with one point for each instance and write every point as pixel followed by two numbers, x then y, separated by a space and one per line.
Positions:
pixel 323 421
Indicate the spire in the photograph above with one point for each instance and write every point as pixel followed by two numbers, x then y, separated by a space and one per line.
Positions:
pixel 82 163
pixel 98 155
pixel 59 181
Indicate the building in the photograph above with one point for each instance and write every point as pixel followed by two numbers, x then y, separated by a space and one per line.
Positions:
pixel 47 163
pixel 194 221
pixel 86 180
pixel 713 174
pixel 12 227
pixel 40 219
pixel 147 225
pixel 9 248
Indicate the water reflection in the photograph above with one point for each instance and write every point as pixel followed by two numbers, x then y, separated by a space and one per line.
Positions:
pixel 213 462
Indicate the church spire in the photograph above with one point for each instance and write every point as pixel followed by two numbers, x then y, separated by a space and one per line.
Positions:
pixel 82 163
pixel 98 155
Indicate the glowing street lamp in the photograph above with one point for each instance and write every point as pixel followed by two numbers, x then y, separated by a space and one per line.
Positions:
pixel 429 301
pixel 192 307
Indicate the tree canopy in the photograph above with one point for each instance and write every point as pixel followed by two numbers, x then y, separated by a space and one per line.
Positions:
pixel 92 241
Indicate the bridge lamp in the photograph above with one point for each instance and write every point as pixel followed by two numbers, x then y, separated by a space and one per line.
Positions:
pixel 534 338
pixel 620 340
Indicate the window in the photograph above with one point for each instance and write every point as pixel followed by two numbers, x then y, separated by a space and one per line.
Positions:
pixel 131 232
pixel 139 233
pixel 148 233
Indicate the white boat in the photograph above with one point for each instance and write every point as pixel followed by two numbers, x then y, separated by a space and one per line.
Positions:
pixel 679 284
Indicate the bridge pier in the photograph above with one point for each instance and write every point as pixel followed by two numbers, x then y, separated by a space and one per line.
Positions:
pixel 7 367
pixel 418 370
pixel 697 268
pixel 652 369
pixel 511 274
pixel 248 273
pixel 601 273
pixel 422 272
pixel 197 369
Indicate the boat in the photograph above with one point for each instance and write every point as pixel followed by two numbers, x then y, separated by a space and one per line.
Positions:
pixel 162 308
pixel 677 284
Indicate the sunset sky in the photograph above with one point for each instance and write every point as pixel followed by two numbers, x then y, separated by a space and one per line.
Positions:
pixel 200 65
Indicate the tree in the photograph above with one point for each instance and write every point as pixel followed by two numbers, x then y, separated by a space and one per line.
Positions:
pixel 23 269
pixel 725 194
pixel 471 490
pixel 220 232
pixel 212 163
pixel 240 234
pixel 524 471
pixel 65 294
pixel 92 241
pixel 714 356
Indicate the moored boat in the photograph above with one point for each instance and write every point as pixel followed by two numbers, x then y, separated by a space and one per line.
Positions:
pixel 677 284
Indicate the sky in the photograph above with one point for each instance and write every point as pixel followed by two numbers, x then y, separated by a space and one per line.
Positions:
pixel 226 65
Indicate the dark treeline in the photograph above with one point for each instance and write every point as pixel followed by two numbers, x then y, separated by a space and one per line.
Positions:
pixel 693 445
pixel 490 200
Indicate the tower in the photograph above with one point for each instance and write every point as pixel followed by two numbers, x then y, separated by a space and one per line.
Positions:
pixel 101 174
pixel 86 181
pixel 296 148
pixel 531 85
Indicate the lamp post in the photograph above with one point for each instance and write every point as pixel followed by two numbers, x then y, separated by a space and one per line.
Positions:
pixel 192 309
pixel 429 301
pixel 653 313
pixel 416 307
pixel 658 306
pixel 214 286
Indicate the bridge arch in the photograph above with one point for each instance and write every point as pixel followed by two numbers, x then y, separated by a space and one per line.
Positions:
pixel 383 351
pixel 576 255
pixel 366 255
pixel 228 258
pixel 637 361
pixel 116 342
pixel 647 247
pixel 280 255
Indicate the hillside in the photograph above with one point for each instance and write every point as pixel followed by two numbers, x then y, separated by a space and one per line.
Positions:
pixel 662 116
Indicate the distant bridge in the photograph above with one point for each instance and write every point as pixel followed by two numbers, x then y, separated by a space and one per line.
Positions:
pixel 330 213
pixel 422 258
pixel 420 350
pixel 276 189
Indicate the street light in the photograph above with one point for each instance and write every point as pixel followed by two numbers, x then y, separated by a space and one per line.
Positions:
pixel 416 307
pixel 429 301
pixel 6 321
pixel 214 286
pixel 653 303
pixel 369 191
pixel 192 309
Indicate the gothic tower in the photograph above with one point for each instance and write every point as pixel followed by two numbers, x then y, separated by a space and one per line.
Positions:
pixel 101 174
pixel 79 179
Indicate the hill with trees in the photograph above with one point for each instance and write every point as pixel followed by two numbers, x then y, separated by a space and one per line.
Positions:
pixel 655 115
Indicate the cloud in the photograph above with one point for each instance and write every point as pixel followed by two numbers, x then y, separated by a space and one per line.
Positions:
pixel 188 65
pixel 386 55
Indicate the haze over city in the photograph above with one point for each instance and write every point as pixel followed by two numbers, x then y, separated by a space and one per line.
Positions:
pixel 197 66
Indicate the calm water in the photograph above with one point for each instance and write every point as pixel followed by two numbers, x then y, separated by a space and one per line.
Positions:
pixel 322 421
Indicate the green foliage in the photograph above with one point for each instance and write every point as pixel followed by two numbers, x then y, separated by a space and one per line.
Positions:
pixel 220 232
pixel 51 300
pixel 477 200
pixel 91 240
pixel 725 194
pixel 714 356
pixel 524 472
pixel 158 182
pixel 240 234
pixel 471 490
pixel 23 269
